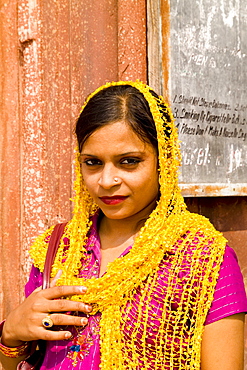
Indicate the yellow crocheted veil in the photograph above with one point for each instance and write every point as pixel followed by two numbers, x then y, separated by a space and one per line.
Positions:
pixel 113 294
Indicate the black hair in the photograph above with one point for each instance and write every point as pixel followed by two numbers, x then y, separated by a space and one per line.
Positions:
pixel 119 103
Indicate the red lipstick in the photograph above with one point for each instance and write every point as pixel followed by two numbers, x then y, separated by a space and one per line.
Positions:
pixel 113 200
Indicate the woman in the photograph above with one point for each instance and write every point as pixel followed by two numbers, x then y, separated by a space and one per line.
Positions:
pixel 149 285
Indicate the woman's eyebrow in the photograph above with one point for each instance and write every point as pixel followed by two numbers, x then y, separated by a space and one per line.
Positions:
pixel 88 155
pixel 118 155
pixel 130 153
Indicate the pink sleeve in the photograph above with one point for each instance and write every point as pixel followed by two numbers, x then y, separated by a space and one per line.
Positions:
pixel 229 296
pixel 35 281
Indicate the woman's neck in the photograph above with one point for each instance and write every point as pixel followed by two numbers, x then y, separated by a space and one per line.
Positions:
pixel 115 237
pixel 124 228
pixel 114 233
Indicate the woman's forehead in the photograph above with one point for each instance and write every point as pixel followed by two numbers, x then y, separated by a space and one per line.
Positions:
pixel 118 136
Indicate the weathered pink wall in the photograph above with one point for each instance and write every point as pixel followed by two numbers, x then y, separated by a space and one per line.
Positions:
pixel 10 161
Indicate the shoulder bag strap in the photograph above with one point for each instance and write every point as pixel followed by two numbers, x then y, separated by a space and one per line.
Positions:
pixel 34 361
pixel 51 253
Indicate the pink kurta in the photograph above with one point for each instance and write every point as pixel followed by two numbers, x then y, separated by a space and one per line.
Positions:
pixel 83 351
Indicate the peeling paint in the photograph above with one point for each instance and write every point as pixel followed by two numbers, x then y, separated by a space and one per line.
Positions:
pixel 213 190
pixel 231 14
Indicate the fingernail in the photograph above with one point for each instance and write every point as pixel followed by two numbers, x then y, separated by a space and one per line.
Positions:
pixel 68 335
pixel 88 308
pixel 82 289
pixel 84 321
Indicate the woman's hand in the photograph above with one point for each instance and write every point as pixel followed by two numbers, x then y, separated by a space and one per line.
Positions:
pixel 25 322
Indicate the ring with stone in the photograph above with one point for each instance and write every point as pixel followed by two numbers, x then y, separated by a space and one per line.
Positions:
pixel 47 322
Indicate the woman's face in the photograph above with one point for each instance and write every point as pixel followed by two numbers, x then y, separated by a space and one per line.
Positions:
pixel 115 152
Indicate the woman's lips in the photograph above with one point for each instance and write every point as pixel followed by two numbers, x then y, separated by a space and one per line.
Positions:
pixel 113 200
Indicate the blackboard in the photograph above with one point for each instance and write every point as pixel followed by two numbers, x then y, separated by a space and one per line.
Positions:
pixel 209 101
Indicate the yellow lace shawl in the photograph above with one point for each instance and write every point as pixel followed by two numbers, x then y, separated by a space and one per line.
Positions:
pixel 113 294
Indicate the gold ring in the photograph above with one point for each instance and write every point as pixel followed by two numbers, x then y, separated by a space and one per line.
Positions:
pixel 47 322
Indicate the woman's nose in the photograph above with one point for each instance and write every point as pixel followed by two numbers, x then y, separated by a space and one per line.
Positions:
pixel 109 178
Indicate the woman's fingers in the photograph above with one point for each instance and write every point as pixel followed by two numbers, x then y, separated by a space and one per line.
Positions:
pixel 51 300
pixel 53 335
pixel 62 291
pixel 25 322
pixel 55 279
pixel 34 329
pixel 63 320
pixel 63 305
pixel 41 333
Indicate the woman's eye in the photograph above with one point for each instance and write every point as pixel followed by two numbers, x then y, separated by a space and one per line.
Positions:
pixel 130 161
pixel 92 162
